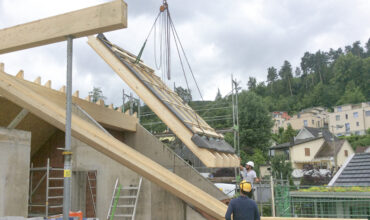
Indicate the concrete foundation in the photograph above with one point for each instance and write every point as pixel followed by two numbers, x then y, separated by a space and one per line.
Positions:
pixel 15 148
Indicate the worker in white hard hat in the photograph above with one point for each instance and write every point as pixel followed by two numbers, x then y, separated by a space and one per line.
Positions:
pixel 243 208
pixel 248 173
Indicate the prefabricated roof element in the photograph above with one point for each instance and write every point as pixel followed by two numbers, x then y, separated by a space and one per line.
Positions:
pixel 208 145
pixel 40 104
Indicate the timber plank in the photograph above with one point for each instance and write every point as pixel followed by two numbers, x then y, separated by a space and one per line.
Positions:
pixel 97 19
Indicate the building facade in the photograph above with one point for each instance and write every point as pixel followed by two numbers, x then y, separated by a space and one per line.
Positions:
pixel 350 119
pixel 316 117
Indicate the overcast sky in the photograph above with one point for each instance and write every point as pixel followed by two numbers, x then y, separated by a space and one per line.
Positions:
pixel 220 37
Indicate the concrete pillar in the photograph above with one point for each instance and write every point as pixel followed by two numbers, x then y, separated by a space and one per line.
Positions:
pixel 15 148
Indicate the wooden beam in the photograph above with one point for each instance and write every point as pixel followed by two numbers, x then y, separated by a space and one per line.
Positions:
pixel 20 74
pixel 48 84
pixel 37 80
pixel 1 67
pixel 97 19
pixel 54 114
pixel 21 115
pixel 207 157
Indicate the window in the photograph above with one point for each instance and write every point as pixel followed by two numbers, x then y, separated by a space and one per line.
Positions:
pixel 357 123
pixel 347 127
pixel 339 109
pixel 318 124
pixel 313 122
pixel 305 123
pixel 339 134
pixel 367 113
pixel 355 114
pixel 346 116
pixel 307 152
pixel 346 153
pixel 357 133
pixel 337 117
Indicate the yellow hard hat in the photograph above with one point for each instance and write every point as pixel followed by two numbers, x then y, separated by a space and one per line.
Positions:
pixel 245 186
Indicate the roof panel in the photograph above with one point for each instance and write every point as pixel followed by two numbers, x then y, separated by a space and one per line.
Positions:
pixel 167 105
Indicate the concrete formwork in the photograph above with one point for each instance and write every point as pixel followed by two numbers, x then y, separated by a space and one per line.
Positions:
pixel 15 148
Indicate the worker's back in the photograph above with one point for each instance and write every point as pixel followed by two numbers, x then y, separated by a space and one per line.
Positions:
pixel 242 208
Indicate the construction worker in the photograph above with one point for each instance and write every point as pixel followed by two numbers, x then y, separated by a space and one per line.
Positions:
pixel 243 208
pixel 248 173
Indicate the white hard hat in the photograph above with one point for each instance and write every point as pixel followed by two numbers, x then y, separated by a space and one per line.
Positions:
pixel 250 163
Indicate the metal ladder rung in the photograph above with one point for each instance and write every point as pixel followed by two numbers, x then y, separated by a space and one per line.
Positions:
pixel 55 206
pixel 127 197
pixel 37 205
pixel 130 187
pixel 123 215
pixel 55 197
pixel 56 178
pixel 57 187
pixel 125 206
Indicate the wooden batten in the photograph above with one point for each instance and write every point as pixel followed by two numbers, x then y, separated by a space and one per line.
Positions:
pixel 127 112
pixel 110 106
pixel 62 89
pixel 119 109
pixel 48 84
pixel 38 80
pixel 76 94
pixel 2 67
pixel 135 114
pixel 20 74
pixel 100 102
pixel 88 98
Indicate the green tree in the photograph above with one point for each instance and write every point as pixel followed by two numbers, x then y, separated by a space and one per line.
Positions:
pixel 281 167
pixel 271 76
pixel 352 95
pixel 185 94
pixel 286 74
pixel 96 94
pixel 252 84
pixel 255 122
pixel 218 96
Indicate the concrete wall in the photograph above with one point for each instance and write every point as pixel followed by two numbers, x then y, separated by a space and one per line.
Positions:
pixel 151 147
pixel 15 148
pixel 85 158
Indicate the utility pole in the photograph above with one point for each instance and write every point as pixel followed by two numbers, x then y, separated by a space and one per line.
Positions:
pixel 67 150
pixel 234 97
pixel 123 100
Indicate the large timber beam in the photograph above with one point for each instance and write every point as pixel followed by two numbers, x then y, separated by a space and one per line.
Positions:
pixel 97 19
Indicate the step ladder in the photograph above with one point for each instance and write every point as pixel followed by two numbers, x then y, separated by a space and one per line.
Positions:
pixel 91 180
pixel 124 201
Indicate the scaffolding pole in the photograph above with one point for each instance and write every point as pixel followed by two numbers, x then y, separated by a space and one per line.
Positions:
pixel 67 151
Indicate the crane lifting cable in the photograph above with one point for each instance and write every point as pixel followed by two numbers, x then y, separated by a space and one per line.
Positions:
pixel 162 55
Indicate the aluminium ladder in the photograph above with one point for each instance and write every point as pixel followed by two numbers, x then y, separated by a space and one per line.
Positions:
pixel 124 201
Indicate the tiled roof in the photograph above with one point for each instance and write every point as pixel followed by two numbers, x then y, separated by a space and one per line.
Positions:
pixel 356 172
pixel 316 132
pixel 327 150
pixel 296 142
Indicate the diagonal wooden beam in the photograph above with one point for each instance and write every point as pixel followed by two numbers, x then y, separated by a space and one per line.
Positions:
pixel 97 19
pixel 21 115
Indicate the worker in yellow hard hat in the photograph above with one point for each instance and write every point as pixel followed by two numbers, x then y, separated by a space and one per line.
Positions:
pixel 243 208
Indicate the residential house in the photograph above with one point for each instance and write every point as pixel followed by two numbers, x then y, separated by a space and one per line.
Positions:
pixel 279 120
pixel 316 146
pixel 350 119
pixel 315 117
